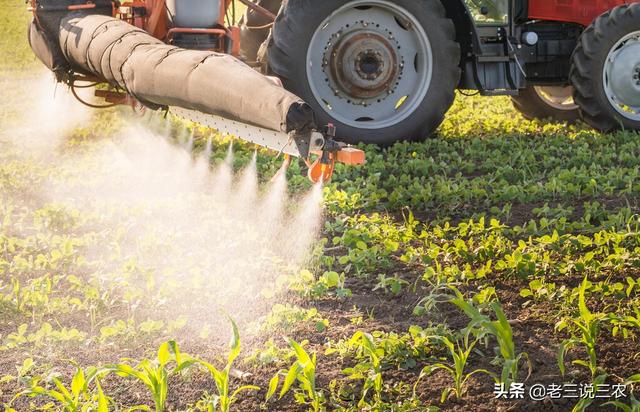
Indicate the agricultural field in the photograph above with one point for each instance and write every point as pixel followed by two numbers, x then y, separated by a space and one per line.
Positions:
pixel 150 264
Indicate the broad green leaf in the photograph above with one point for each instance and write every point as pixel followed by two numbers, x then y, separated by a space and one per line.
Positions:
pixel 54 394
pixel 582 306
pixel 64 391
pixel 103 402
pixel 175 349
pixel 7 378
pixel 332 279
pixel 235 342
pixel 445 394
pixel 78 382
pixel 243 389
pixel 27 364
pixel 525 293
pixel 303 357
pixel 290 378
pixel 633 379
pixel 562 350
pixel 163 354
pixel 185 364
pixel 273 386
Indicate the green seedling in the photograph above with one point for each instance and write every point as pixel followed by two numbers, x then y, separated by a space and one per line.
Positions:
pixel 634 403
pixel 626 325
pixel 393 284
pixel 460 352
pixel 501 330
pixel 588 326
pixel 370 370
pixel 303 370
pixel 438 293
pixel 285 317
pixel 223 400
pixel 585 402
pixel 632 406
pixel 78 397
pixel 154 374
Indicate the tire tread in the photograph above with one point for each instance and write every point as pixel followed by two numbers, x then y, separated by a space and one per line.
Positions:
pixel 281 55
pixel 585 75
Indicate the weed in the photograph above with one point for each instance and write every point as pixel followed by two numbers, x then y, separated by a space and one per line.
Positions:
pixel 393 284
pixel 285 317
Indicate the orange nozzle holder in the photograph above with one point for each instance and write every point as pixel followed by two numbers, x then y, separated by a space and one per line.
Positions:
pixel 321 171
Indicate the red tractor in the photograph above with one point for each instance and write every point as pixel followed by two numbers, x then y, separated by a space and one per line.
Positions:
pixel 387 70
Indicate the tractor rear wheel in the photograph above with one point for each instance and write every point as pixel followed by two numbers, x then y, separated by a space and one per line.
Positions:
pixel 381 71
pixel 547 102
pixel 605 70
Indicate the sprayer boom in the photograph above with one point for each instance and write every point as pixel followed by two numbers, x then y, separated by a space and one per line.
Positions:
pixel 279 141
pixel 322 145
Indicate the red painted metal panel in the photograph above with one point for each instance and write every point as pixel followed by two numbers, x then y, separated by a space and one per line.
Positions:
pixel 572 11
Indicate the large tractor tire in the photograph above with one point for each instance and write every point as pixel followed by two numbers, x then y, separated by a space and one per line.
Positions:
pixel 605 70
pixel 380 71
pixel 254 29
pixel 547 102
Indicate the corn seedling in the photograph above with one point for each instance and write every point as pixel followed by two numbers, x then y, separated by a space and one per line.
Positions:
pixel 588 325
pixel 634 403
pixel 154 374
pixel 303 370
pixel 371 370
pixel 460 352
pixel 585 402
pixel 76 398
pixel 501 330
pixel 223 400
pixel 632 406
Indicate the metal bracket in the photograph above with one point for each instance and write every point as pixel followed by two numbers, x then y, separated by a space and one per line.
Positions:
pixel 278 141
pixel 303 146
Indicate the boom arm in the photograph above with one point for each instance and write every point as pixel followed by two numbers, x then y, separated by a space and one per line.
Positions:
pixel 219 88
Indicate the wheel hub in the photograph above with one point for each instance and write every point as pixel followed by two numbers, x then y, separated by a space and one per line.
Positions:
pixel 370 64
pixel 363 64
pixel 624 75
pixel 621 76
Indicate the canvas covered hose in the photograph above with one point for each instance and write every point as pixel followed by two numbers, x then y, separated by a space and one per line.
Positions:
pixel 158 74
